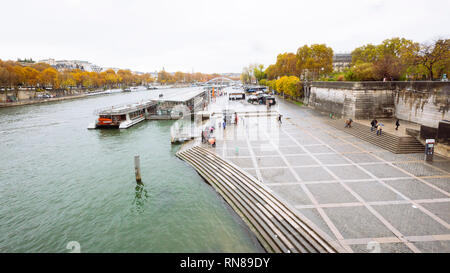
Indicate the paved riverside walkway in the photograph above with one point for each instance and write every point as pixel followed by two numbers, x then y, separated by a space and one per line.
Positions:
pixel 364 197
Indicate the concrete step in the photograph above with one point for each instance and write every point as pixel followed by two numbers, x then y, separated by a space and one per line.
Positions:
pixel 387 141
pixel 277 226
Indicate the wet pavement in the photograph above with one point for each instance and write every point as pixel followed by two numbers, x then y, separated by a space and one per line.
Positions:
pixel 366 198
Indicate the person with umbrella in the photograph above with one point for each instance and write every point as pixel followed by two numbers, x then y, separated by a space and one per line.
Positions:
pixel 379 128
pixel 348 123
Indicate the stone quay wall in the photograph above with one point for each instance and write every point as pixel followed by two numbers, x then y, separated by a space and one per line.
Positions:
pixel 425 103
pixel 24 95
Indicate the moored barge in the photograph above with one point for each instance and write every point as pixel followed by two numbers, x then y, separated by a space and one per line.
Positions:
pixel 123 116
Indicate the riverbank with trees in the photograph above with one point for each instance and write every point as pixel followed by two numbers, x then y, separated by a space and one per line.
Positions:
pixel 41 77
pixel 396 59
pixel 44 80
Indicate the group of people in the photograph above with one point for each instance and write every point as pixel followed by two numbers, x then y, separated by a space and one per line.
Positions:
pixel 375 125
pixel 208 137
pixel 378 126
pixel 208 133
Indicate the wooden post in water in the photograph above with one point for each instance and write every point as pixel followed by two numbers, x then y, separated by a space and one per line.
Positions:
pixel 137 169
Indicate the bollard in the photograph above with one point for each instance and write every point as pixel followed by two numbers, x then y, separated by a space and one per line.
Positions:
pixel 137 169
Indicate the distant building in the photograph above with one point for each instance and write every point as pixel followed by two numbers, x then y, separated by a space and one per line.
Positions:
pixel 51 62
pixel 154 74
pixel 61 65
pixel 341 61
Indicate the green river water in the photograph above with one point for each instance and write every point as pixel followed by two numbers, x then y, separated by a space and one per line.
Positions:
pixel 60 182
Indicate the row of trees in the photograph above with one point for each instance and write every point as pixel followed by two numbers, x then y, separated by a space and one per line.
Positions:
pixel 181 77
pixel 393 59
pixel 288 85
pixel 400 59
pixel 40 75
pixel 309 62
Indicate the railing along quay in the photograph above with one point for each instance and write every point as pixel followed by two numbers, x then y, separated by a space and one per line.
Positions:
pixel 276 226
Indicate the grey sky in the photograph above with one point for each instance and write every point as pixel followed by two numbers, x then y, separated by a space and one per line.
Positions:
pixel 206 35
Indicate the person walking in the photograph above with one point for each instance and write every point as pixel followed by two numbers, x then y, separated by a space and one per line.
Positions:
pixel 397 123
pixel 279 118
pixel 224 124
pixel 235 118
pixel 374 125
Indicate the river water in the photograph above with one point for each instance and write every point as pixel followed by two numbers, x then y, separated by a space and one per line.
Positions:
pixel 60 182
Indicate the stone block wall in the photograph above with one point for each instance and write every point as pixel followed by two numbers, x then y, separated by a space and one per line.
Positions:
pixel 336 101
pixel 424 103
pixel 358 100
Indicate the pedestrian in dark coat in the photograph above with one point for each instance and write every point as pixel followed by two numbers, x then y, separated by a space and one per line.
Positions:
pixel 397 123
pixel 374 125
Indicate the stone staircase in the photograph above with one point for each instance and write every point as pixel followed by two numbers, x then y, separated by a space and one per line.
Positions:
pixel 278 228
pixel 387 141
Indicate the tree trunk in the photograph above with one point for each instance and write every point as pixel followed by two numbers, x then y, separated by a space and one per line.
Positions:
pixel 431 72
pixel 16 93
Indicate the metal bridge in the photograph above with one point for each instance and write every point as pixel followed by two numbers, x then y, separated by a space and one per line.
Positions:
pixel 221 81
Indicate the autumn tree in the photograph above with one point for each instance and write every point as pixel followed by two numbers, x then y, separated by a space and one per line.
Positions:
pixel 259 72
pixel 288 85
pixel 163 77
pixel 66 80
pixel 388 67
pixel 361 72
pixel 390 59
pixel 8 76
pixel 49 77
pixel 125 77
pixel 434 57
pixel 271 72
pixel 31 76
pixel 14 75
pixel 316 59
pixel 110 77
pixel 146 78
pixel 286 65
pixel 365 54
pixel 178 76
pixel 247 75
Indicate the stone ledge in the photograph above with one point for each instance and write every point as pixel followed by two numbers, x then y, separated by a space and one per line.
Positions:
pixel 417 86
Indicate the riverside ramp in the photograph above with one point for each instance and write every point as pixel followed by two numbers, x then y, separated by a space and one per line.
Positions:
pixel 278 228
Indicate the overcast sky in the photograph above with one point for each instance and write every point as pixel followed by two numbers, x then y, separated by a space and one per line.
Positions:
pixel 206 35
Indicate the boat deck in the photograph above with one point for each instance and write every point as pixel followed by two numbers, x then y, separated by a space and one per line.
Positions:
pixel 124 108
